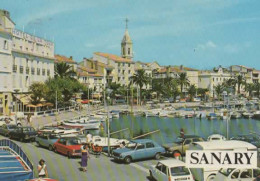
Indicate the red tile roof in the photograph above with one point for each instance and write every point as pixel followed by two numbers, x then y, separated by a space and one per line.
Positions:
pixel 114 57
pixel 62 58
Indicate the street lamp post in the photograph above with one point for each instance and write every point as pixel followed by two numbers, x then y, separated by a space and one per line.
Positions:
pixel 16 107
pixel 56 100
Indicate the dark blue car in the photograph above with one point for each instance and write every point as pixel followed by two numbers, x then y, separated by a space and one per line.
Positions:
pixel 138 149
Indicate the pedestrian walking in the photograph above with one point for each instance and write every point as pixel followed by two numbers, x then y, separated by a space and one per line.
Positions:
pixel 84 158
pixel 89 137
pixel 42 169
pixel 29 119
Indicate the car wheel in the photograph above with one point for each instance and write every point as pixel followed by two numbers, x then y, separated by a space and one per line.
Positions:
pixel 211 177
pixel 128 159
pixel 157 156
pixel 69 155
pixel 151 176
pixel 55 149
pixel 50 148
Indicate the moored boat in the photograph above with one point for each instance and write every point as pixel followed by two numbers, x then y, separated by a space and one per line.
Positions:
pixel 15 165
pixel 247 115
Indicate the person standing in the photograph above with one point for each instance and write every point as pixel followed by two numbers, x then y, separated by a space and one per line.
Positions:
pixel 84 158
pixel 42 169
pixel 89 137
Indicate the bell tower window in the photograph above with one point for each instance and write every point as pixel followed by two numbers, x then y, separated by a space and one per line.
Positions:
pixel 128 51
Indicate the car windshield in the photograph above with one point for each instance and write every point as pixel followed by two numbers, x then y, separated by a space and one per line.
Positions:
pixel 179 140
pixel 11 126
pixel 179 171
pixel 225 171
pixel 54 137
pixel 74 142
pixel 28 129
pixel 131 145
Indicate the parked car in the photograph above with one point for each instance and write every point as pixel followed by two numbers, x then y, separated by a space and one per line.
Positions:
pixel 23 133
pixel 138 149
pixel 232 174
pixel 70 146
pixel 6 128
pixel 46 140
pixel 9 120
pixel 181 144
pixel 250 138
pixel 170 170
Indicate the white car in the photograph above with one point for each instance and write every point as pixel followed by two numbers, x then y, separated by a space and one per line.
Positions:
pixel 216 137
pixel 172 169
pixel 232 174
pixel 9 120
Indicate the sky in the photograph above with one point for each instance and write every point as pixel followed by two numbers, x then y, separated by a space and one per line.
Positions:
pixel 194 33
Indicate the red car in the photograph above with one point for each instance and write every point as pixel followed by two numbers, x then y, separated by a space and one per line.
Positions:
pixel 70 146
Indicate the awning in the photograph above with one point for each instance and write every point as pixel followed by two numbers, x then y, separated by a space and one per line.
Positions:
pixel 24 98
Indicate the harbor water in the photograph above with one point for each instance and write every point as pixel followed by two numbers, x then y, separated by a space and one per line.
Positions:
pixel 170 127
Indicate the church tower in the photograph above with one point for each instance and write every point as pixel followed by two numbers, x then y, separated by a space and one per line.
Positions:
pixel 126 44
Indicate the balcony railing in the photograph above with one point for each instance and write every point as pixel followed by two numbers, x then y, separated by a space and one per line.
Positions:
pixel 14 68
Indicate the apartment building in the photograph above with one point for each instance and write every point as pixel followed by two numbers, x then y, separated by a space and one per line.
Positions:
pixel 24 59
pixel 210 79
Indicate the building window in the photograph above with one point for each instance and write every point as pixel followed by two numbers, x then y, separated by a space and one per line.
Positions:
pixel 128 51
pixel 14 68
pixel 129 65
pixel 5 45
pixel 21 69
pixel 32 71
pixel 213 79
pixel 118 79
pixel 129 71
pixel 27 70
pixel 38 71
pixel 21 47
pixel 123 72
pixel 48 72
pixel 43 71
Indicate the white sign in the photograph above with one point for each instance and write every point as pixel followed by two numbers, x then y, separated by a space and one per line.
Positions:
pixel 221 159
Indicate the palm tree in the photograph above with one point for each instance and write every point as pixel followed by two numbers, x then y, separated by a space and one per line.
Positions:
pixel 250 88
pixel 257 88
pixel 140 78
pixel 115 89
pixel 218 90
pixel 239 80
pixel 183 81
pixel 192 92
pixel 202 92
pixel 63 70
pixel 229 84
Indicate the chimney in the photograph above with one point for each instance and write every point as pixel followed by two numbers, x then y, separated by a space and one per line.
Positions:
pixel 181 67
pixel 71 57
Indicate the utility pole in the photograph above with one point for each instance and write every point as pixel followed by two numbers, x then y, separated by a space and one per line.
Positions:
pixel 108 123
pixel 56 101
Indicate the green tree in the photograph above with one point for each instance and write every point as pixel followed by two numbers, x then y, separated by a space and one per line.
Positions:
pixel 38 91
pixel 140 78
pixel 63 70
pixel 218 89
pixel 239 80
pixel 250 88
pixel 257 89
pixel 202 92
pixel 65 88
pixel 192 91
pixel 183 81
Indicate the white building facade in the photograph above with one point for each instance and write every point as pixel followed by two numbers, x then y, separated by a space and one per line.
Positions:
pixel 24 59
